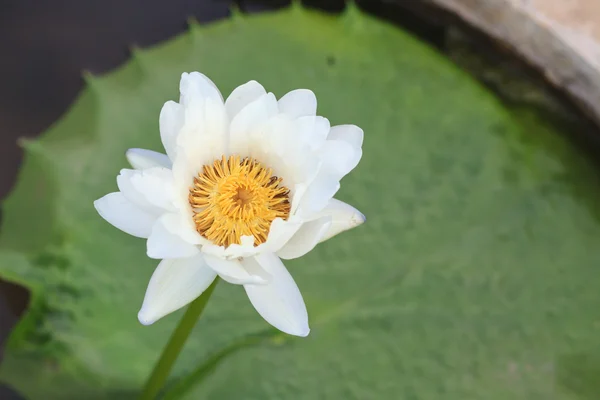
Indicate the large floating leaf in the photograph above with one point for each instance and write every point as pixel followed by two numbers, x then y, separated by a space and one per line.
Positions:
pixel 476 276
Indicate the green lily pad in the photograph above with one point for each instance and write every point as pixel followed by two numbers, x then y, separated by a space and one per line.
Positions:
pixel 476 276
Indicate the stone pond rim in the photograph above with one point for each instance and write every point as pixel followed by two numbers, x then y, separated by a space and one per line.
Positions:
pixel 561 40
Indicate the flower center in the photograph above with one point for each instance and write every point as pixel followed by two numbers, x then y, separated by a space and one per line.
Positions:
pixel 237 197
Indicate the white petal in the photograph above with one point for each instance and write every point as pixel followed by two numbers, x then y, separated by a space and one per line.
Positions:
pixel 170 121
pixel 232 271
pixel 344 217
pixel 242 96
pixel 215 136
pixel 163 243
pixel 298 103
pixel 274 142
pixel 197 87
pixel 183 173
pixel 339 158
pixel 254 268
pixel 142 159
pixel 280 233
pixel 297 195
pixel 306 238
pixel 250 118
pixel 233 251
pixel 318 194
pixel 130 192
pixel 174 284
pixel 204 136
pixel 124 215
pixel 290 147
pixel 279 302
pixel 182 225
pixel 351 134
pixel 312 130
pixel 150 188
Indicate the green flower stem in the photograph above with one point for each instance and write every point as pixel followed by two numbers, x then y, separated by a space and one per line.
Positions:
pixel 163 367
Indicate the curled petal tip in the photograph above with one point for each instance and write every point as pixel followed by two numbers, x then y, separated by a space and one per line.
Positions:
pixel 358 218
pixel 145 319
pixel 304 332
pixel 300 330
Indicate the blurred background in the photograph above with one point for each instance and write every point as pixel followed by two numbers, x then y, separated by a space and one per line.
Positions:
pixel 46 44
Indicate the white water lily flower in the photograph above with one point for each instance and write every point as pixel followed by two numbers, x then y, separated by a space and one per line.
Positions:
pixel 245 182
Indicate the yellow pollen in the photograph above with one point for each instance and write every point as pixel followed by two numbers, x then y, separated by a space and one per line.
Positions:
pixel 237 197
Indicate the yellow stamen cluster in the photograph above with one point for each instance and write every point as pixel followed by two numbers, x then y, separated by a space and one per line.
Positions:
pixel 237 197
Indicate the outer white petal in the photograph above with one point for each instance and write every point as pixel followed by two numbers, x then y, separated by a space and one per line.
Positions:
pixel 242 96
pixel 339 154
pixel 216 126
pixel 182 225
pixel 351 134
pixel 232 271
pixel 275 143
pixel 344 217
pixel 195 86
pixel 298 103
pixel 339 157
pixel 279 302
pixel 280 233
pixel 250 118
pixel 150 188
pixel 156 184
pixel 318 194
pixel 124 215
pixel 164 243
pixel 174 284
pixel 142 159
pixel 297 195
pixel 130 192
pixel 306 238
pixel 171 120
pixel 254 268
pixel 312 130
pixel 234 251
pixel 204 136
pixel 291 147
